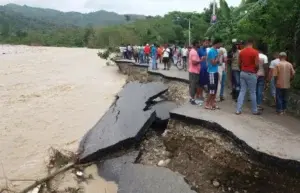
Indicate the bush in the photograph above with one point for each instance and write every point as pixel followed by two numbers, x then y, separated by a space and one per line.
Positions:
pixel 296 81
pixel 105 54
pixel 113 49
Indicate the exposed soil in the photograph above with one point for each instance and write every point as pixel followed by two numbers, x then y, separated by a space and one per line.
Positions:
pixel 212 163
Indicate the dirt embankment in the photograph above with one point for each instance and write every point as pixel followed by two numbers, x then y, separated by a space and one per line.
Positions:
pixel 211 162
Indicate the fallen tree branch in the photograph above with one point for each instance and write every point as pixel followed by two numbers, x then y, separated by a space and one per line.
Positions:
pixel 50 176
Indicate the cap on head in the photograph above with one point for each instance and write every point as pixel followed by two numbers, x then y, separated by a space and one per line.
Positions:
pixel 282 54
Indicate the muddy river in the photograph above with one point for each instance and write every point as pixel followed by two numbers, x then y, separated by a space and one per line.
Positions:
pixel 49 97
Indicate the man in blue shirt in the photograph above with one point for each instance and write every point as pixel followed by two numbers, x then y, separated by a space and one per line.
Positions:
pixel 154 56
pixel 203 80
pixel 213 59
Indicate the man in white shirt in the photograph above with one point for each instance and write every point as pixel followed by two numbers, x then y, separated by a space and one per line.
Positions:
pixel 184 52
pixel 166 57
pixel 261 74
pixel 270 77
pixel 222 72
pixel 123 51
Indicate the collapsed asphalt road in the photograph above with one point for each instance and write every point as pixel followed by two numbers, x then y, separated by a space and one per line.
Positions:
pixel 187 155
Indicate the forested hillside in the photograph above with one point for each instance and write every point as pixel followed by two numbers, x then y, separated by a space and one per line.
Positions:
pixel 98 18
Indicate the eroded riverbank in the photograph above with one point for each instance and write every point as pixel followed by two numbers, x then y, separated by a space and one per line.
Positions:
pixel 210 160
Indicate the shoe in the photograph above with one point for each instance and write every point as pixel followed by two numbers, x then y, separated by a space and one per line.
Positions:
pixel 260 108
pixel 222 98
pixel 199 102
pixel 193 102
pixel 257 113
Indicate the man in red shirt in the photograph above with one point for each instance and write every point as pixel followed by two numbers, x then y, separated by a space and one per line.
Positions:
pixel 147 53
pixel 249 60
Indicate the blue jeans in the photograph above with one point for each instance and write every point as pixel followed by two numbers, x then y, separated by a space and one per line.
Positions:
pixel 260 89
pixel 223 80
pixel 141 58
pixel 273 87
pixel 154 66
pixel 248 81
pixel 236 80
pixel 281 99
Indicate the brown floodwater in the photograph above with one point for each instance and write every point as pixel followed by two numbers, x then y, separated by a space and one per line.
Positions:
pixel 49 97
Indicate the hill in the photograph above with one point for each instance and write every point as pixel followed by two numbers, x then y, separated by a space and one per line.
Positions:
pixel 59 18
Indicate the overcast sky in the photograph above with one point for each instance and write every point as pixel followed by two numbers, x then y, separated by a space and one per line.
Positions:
pixel 146 7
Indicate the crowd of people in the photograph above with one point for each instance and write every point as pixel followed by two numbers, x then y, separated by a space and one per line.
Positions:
pixel 249 71
pixel 209 63
pixel 155 54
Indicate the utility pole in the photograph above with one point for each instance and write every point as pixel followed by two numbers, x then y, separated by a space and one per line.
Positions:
pixel 214 7
pixel 214 16
pixel 189 31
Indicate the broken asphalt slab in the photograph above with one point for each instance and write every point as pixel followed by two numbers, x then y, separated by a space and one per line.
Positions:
pixel 111 169
pixel 162 109
pixel 137 178
pixel 124 123
pixel 268 141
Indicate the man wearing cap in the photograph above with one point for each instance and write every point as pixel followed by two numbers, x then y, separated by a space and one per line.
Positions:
pixel 283 73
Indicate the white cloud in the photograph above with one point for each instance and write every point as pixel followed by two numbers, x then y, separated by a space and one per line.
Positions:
pixel 147 7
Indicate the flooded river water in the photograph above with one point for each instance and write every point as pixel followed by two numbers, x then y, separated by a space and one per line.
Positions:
pixel 49 98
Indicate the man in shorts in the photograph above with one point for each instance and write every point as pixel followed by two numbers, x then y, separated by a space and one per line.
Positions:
pixel 194 70
pixel 203 81
pixel 213 60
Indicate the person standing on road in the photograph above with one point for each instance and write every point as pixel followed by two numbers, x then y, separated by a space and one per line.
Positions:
pixel 283 73
pixel 147 53
pixel 261 73
pixel 184 53
pixel 136 54
pixel 154 57
pixel 159 53
pixel 213 60
pixel 166 57
pixel 235 71
pixel 129 51
pixel 249 60
pixel 171 59
pixel 194 69
pixel 203 80
pixel 273 64
pixel 222 71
